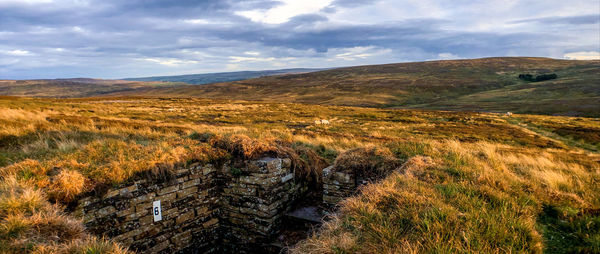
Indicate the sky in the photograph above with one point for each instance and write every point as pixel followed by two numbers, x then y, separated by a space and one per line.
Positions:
pixel 137 38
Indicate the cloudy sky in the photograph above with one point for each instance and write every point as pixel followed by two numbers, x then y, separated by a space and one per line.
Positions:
pixel 133 38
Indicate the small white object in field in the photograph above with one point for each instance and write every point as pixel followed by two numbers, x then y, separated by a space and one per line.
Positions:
pixel 509 113
pixel 319 122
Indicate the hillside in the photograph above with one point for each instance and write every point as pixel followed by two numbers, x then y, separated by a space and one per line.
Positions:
pixel 209 78
pixel 471 182
pixel 489 84
pixel 62 88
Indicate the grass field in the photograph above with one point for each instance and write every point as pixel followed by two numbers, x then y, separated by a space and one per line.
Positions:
pixel 488 85
pixel 482 85
pixel 473 182
pixel 68 88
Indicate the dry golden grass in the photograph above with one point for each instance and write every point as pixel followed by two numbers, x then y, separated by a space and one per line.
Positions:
pixel 480 197
pixel 66 186
pixel 370 162
pixel 29 223
pixel 480 182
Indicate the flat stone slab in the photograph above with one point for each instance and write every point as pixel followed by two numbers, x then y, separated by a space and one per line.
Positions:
pixel 309 213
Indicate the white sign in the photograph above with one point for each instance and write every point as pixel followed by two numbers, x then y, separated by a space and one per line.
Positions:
pixel 156 211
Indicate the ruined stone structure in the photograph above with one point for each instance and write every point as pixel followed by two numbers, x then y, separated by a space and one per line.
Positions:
pixel 234 207
pixel 337 185
pixel 340 184
pixel 253 204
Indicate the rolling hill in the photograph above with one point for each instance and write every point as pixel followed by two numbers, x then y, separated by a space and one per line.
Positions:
pixel 201 79
pixel 63 88
pixel 489 84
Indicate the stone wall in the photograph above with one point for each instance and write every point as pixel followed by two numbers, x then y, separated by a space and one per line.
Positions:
pixel 254 202
pixel 235 207
pixel 189 212
pixel 337 185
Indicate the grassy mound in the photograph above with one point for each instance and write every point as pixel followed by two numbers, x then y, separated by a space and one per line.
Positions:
pixel 481 197
pixel 369 163
pixel 29 223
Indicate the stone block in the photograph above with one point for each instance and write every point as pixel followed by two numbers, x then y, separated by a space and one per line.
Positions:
pixel 190 183
pixel 109 210
pixel 167 190
pixel 327 172
pixel 167 198
pixel 331 199
pixel 159 247
pixel 182 179
pixel 182 239
pixel 342 177
pixel 184 217
pixel 170 213
pixel 147 220
pixel 187 192
pixel 126 212
pixel 111 194
pixel 210 223
pixel 143 198
pixel 208 169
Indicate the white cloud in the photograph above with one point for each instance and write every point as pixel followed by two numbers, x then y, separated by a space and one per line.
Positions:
pixel 25 1
pixel 197 21
pixel 170 61
pixel 351 54
pixel 204 22
pixel 16 52
pixel 584 55
pixel 282 13
pixel 447 56
pixel 237 59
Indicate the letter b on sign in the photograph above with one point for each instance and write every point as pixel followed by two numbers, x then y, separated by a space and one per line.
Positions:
pixel 156 211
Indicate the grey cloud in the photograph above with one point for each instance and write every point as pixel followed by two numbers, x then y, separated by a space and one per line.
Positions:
pixel 335 5
pixel 112 38
pixel 573 20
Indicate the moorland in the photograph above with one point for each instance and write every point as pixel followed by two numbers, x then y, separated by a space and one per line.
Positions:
pixel 471 180
pixel 483 85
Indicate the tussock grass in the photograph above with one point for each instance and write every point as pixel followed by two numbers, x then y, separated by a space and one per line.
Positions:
pixel 370 162
pixel 306 163
pixel 107 162
pixel 66 186
pixel 474 182
pixel 29 223
pixel 460 197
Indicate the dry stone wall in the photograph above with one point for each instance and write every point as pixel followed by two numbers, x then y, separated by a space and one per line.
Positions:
pixel 236 207
pixel 337 185
pixel 189 207
pixel 254 203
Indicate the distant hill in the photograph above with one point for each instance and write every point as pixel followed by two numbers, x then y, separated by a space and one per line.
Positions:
pixel 64 88
pixel 489 84
pixel 201 79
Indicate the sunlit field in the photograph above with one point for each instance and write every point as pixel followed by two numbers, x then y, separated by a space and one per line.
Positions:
pixel 469 182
